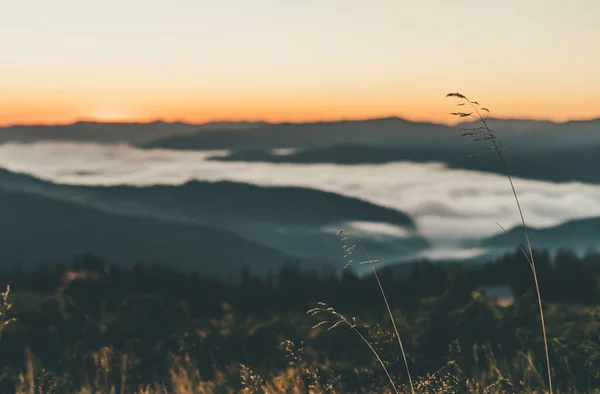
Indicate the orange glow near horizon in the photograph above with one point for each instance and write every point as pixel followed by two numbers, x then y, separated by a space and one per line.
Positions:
pixel 438 112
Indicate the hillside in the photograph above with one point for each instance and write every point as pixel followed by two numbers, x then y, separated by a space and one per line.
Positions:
pixel 36 229
pixel 286 219
pixel 576 234
pixel 216 202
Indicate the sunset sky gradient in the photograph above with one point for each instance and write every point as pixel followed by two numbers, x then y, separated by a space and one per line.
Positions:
pixel 274 60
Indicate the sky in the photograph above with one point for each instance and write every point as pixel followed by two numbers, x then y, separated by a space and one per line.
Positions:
pixel 274 60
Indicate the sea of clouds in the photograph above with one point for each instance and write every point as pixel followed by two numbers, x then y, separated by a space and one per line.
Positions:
pixel 447 205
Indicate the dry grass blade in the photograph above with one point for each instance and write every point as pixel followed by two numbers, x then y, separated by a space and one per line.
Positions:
pixel 387 305
pixel 396 332
pixel 496 146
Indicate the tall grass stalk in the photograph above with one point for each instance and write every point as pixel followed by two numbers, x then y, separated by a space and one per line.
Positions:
pixel 350 251
pixel 491 136
pixel 389 310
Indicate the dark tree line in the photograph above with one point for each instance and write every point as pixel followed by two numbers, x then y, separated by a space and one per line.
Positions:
pixel 564 277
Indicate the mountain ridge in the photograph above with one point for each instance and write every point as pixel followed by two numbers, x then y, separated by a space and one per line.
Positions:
pixel 338 207
pixel 578 233
pixel 36 230
pixel 285 219
pixel 391 131
pixel 159 133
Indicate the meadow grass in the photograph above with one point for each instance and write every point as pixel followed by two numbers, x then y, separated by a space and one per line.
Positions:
pixel 299 377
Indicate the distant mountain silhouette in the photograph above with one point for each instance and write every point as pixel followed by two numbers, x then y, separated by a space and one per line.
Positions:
pixel 36 229
pixel 565 164
pixel 530 135
pixel 578 234
pixel 296 221
pixel 110 131
pixel 392 131
pixel 536 136
pixel 302 135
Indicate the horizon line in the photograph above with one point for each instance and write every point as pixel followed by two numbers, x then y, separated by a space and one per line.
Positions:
pixel 146 121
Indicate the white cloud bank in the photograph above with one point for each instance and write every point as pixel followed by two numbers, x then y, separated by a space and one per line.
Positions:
pixel 446 204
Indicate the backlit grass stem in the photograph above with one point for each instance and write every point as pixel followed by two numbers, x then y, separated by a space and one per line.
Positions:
pixel 491 136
